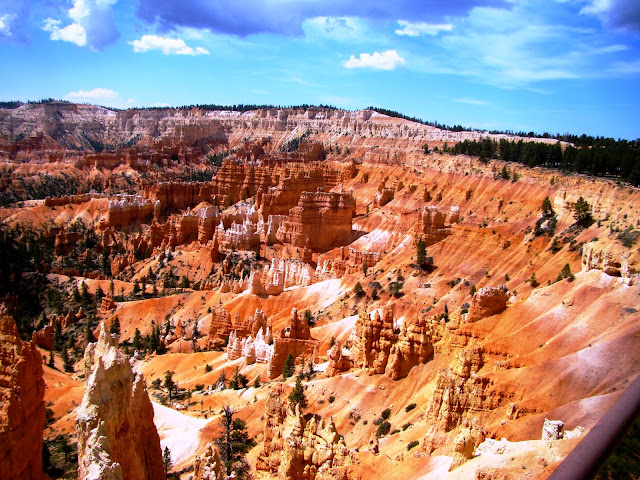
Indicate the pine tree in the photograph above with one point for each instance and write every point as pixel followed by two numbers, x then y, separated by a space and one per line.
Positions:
pixel 297 396
pixel 169 384
pixel 288 368
pixel 233 443
pixel 136 339
pixel 57 335
pixel 115 326
pixel 547 209
pixel 166 460
pixel 84 294
pixel 66 363
pixel 582 212
pixel 421 253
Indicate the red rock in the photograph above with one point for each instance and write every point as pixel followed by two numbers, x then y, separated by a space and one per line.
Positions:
pixel 486 302
pixel 21 404
pixel 320 221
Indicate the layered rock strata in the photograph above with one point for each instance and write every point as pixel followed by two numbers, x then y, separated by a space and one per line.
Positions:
pixel 320 221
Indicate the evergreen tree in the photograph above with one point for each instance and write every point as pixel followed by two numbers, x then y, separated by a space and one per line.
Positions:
pixel 50 363
pixel 297 396
pixel 166 460
pixel 114 329
pixel 57 335
pixel 169 384
pixel 547 209
pixel 582 212
pixel 421 253
pixel 66 363
pixel 84 294
pixel 136 340
pixel 233 443
pixel 288 368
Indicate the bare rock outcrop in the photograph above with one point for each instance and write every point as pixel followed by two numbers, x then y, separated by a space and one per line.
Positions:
pixel 464 445
pixel 612 259
pixel 320 221
pixel 486 302
pixel 116 435
pixel 295 339
pixel 338 362
pixel 300 447
pixel 381 347
pixel 460 391
pixel 209 466
pixel 21 404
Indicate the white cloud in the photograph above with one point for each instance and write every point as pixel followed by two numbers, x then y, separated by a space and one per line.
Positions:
pixel 160 104
pixel 73 33
pixel 92 95
pixel 387 60
pixel 523 46
pixel 101 96
pixel 419 29
pixel 92 24
pixel 471 101
pixel 168 46
pixel 5 20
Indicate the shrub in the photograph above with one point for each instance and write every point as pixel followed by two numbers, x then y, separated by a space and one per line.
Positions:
pixel 412 444
pixel 410 407
pixel 386 413
pixel 405 426
pixel 383 429
pixel 332 399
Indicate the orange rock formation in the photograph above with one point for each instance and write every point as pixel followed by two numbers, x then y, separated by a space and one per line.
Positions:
pixel 21 404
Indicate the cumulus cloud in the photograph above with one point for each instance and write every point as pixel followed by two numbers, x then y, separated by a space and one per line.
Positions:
pixel 168 46
pixel 388 60
pixel 5 24
pixel 92 24
pixel 72 33
pixel 421 28
pixel 97 94
pixel 285 17
pixel 101 96
pixel 615 13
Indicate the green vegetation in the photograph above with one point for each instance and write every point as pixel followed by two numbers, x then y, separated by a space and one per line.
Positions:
pixel 582 212
pixel 597 156
pixel 624 462
pixel 297 396
pixel 288 368
pixel 383 429
pixel 233 444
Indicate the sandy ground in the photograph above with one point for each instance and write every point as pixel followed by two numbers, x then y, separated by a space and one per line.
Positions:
pixel 179 432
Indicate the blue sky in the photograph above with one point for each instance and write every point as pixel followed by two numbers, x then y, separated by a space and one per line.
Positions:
pixel 545 65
